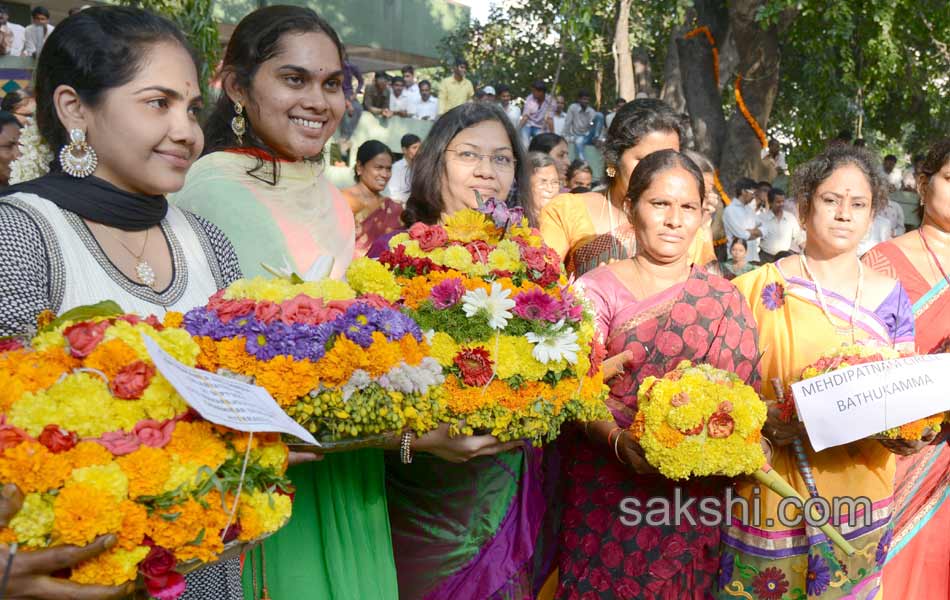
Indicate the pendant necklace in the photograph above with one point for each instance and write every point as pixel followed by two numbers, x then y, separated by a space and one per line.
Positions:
pixel 821 297
pixel 143 269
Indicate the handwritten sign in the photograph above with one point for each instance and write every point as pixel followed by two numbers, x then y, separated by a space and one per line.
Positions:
pixel 226 401
pixel 860 401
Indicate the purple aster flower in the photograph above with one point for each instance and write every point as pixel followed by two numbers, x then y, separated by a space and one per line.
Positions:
pixel 773 296
pixel 727 563
pixel 356 324
pixel 395 325
pixel 310 342
pixel 818 577
pixel 537 305
pixel 258 344
pixel 883 547
pixel 447 293
pixel 201 322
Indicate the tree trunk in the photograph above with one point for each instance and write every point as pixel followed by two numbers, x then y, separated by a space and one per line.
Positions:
pixel 560 59
pixel 623 61
pixel 643 72
pixel 702 96
pixel 759 58
pixel 672 90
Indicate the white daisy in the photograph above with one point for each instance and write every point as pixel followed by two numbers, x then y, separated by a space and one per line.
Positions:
pixel 555 345
pixel 496 304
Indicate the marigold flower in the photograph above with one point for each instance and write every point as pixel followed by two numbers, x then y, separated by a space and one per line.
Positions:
pixel 134 524
pixel 84 513
pixel 115 567
pixel 147 470
pixel 110 357
pixel 197 443
pixel 88 454
pixel 33 468
pixel 286 378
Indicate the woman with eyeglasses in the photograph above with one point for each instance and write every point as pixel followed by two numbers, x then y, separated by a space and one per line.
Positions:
pixel 470 529
pixel 545 181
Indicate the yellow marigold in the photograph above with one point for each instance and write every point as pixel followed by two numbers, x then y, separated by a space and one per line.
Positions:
pixel 161 401
pixel 261 513
pixel 458 258
pixel 147 470
pixel 105 479
pixel 513 357
pixel 184 477
pixel 383 355
pixel 328 289
pixel 115 567
pixel 468 225
pixel 88 454
pixel 444 348
pixel 83 513
pixel 33 468
pixel 399 238
pixel 24 371
pixel 368 276
pixel 208 359
pixel 338 364
pixel 81 402
pixel 134 524
pixel 197 443
pixel 287 378
pixel 34 522
pixel 173 319
pixel 111 357
pixel 273 456
pixel 232 356
pixel 412 248
pixel 49 340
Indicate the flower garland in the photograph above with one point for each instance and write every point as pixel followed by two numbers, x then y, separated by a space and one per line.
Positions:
pixel 704 30
pixel 514 340
pixel 35 155
pixel 763 139
pixel 343 367
pixel 99 442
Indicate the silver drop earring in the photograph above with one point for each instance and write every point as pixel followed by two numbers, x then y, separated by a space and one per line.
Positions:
pixel 77 158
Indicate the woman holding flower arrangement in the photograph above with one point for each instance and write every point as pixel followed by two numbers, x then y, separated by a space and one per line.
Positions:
pixel 919 564
pixel 653 311
pixel 804 306
pixel 117 99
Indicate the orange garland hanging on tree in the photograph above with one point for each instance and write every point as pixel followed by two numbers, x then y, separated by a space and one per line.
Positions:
pixel 704 30
pixel 763 139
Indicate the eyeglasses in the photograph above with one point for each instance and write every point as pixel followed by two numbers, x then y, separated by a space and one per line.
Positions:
pixel 501 162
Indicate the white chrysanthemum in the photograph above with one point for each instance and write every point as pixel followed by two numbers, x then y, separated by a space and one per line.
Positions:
pixel 35 155
pixel 555 345
pixel 496 304
pixel 359 380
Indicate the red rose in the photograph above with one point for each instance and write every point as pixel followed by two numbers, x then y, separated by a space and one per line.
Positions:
pixel 303 309
pixel 11 343
pixel 429 237
pixel 130 319
pixel 475 365
pixel 721 425
pixel 598 520
pixel 153 321
pixel 158 562
pixel 169 586
pixel 590 544
pixel 533 258
pixel 58 440
pixel 635 565
pixel 231 309
pixel 11 436
pixel 479 249
pixel 84 337
pixel 266 311
pixel 600 579
pixel 232 533
pixel 664 568
pixel 648 538
pixel 693 431
pixel 131 381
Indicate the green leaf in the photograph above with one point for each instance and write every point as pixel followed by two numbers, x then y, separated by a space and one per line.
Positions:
pixel 197 541
pixel 106 308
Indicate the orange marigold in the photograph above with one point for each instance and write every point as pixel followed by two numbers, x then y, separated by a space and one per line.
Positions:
pixel 668 436
pixel 415 291
pixel 147 469
pixel 111 357
pixel 412 351
pixel 24 371
pixel 197 443
pixel 338 364
pixel 286 378
pixel 383 355
pixel 7 535
pixel 177 528
pixel 465 400
pixel 88 454
pixel 213 521
pixel 208 357
pixel 173 319
pixel 82 513
pixel 33 468
pixel 134 524
pixel 233 356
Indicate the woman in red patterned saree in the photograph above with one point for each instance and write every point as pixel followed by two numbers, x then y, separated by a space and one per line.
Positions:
pixel 919 562
pixel 654 310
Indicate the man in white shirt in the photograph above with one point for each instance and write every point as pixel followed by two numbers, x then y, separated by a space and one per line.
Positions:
pixel 35 35
pixel 427 106
pixel 400 183
pixel 560 116
pixel 781 231
pixel 399 103
pixel 739 219
pixel 894 213
pixel 892 172
pixel 412 88
pixel 511 109
pixel 12 36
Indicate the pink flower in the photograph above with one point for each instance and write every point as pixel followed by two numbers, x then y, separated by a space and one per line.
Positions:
pixel 84 337
pixel 169 586
pixel 479 249
pixel 119 443
pixel 7 344
pixel 152 433
pixel 570 307
pixel 266 311
pixel 303 309
pixel 374 300
pixel 447 293
pixel 536 305
pixel 533 257
pixel 132 380
pixel 429 237
pixel 231 309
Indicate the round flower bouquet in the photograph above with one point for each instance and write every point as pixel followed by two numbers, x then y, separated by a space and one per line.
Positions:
pixel 100 443
pixel 514 340
pixel 348 369
pixel 699 421
pixel 856 354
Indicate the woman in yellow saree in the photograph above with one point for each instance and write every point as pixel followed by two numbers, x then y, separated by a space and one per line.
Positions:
pixel 804 306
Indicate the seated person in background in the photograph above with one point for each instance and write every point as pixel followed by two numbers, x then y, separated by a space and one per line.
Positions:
pixel 781 231
pixel 427 106
pixel 376 96
pixel 399 101
pixel 401 182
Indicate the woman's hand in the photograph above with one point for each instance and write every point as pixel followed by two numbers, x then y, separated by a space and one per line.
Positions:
pixel 616 364
pixel 904 447
pixel 460 448
pixel 631 453
pixel 780 432
pixel 298 458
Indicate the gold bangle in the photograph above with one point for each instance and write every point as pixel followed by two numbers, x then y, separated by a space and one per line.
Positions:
pixel 616 449
pixel 771 447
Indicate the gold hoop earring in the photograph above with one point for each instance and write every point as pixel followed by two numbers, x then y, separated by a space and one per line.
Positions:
pixel 77 158
pixel 611 171
pixel 238 123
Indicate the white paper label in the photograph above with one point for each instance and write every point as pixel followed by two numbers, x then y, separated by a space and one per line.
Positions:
pixel 226 401
pixel 853 403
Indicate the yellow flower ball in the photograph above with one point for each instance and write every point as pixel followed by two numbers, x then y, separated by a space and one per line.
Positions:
pixel 105 479
pixel 368 276
pixel 444 348
pixel 34 522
